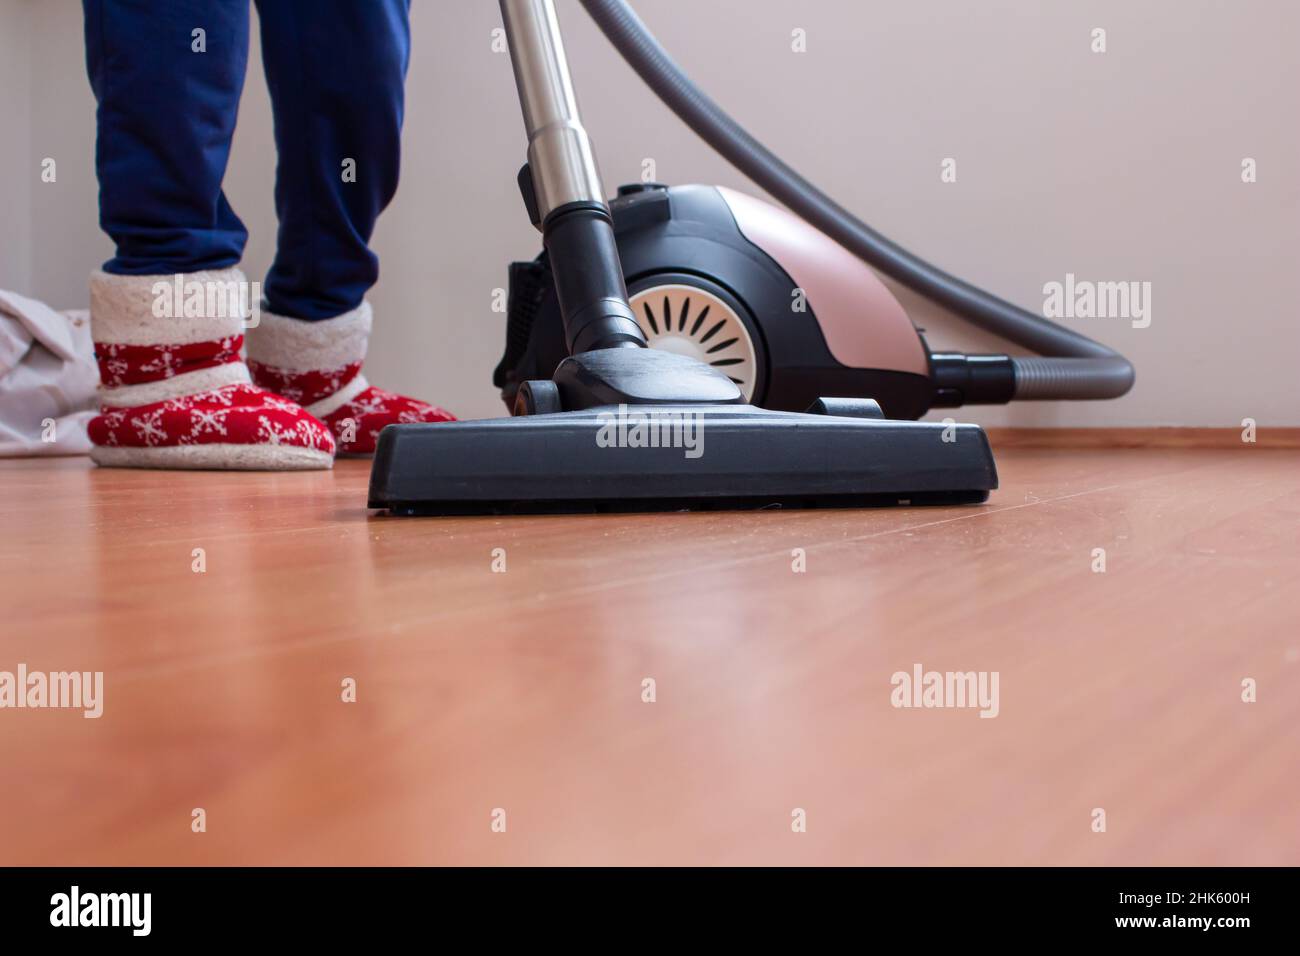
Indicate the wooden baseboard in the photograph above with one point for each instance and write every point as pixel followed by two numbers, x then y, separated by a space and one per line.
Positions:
pixel 1142 438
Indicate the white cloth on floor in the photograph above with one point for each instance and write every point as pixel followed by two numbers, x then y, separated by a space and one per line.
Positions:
pixel 48 378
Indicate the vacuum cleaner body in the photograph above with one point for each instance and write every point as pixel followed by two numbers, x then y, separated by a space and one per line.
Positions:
pixel 747 288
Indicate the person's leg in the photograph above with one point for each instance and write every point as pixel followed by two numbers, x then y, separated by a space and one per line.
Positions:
pixel 167 312
pixel 336 71
pixel 167 100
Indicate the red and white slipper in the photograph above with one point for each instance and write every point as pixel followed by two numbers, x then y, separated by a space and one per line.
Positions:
pixel 174 392
pixel 318 364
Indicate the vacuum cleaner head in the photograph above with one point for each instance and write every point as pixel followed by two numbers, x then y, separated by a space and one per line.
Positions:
pixel 639 429
pixel 678 457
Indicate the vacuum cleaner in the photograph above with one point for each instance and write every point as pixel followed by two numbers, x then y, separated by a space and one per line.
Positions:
pixel 696 348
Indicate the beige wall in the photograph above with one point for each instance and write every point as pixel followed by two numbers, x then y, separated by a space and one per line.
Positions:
pixel 1115 166
pixel 18 167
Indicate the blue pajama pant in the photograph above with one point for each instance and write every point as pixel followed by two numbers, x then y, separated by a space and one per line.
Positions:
pixel 166 113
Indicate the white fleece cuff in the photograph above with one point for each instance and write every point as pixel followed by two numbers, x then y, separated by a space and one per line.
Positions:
pixel 187 383
pixel 296 345
pixel 176 309
pixel 332 403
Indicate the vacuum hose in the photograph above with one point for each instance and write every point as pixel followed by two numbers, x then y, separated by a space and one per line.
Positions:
pixel 1073 366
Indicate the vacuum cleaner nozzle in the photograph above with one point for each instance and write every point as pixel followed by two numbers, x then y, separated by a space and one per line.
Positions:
pixel 678 457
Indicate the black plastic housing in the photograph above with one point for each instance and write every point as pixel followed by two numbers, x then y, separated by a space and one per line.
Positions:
pixel 688 231
pixel 961 379
pixel 747 458
pixel 589 287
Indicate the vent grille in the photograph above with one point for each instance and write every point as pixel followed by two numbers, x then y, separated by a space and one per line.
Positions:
pixel 693 322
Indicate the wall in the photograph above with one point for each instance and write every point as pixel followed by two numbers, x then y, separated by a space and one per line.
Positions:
pixel 1116 166
pixel 19 170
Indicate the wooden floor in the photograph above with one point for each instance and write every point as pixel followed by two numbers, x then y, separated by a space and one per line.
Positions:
pixel 522 691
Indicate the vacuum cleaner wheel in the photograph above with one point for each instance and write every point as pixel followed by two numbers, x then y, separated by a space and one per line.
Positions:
pixel 695 320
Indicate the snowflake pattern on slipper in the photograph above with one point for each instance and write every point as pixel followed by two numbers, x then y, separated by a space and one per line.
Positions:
pixel 240 414
pixel 356 424
pixel 134 364
pixel 303 387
